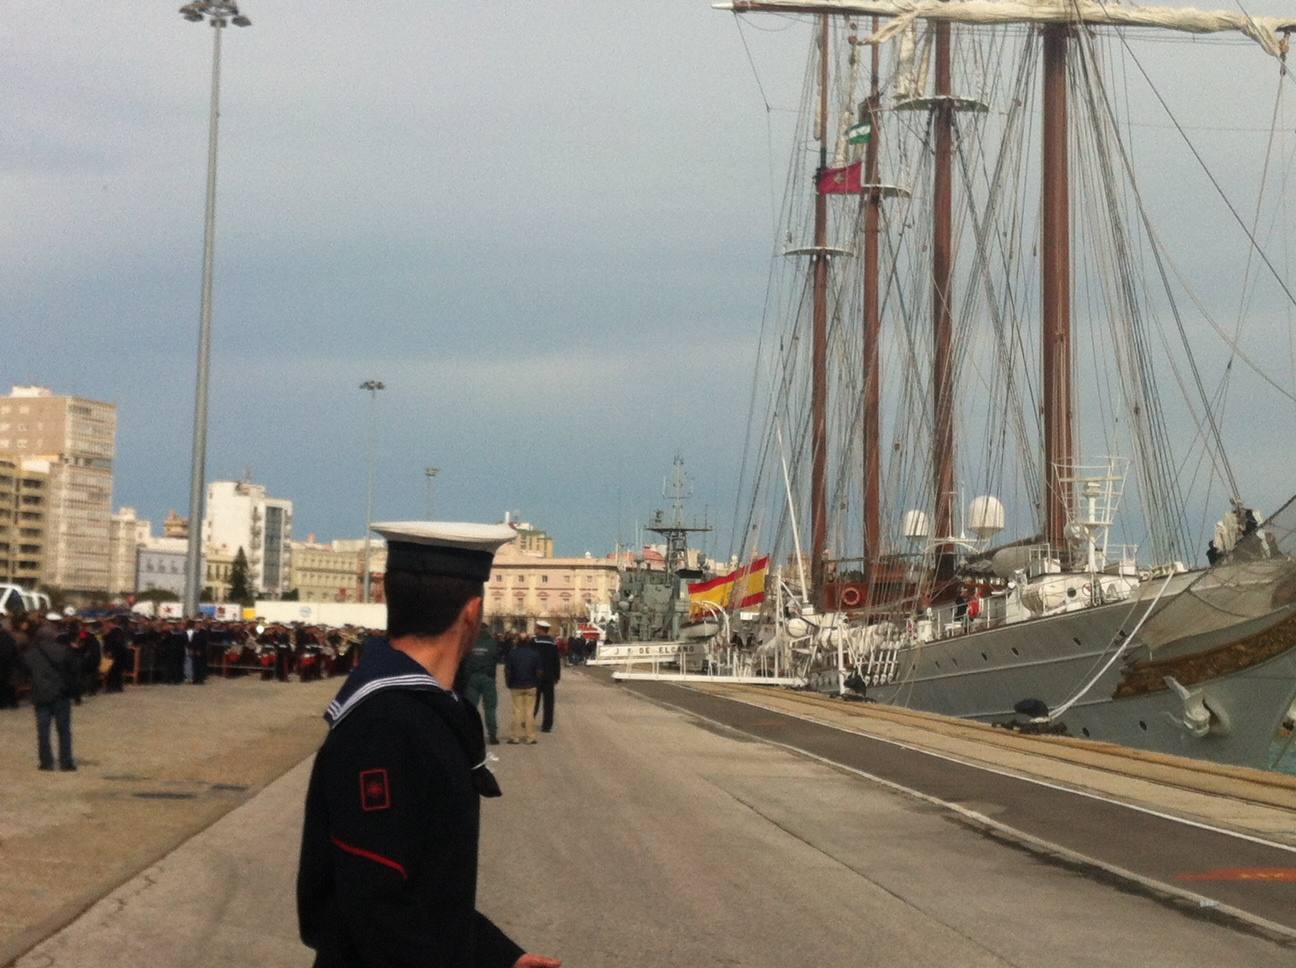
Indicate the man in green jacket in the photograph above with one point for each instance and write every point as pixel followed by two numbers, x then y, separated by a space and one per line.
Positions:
pixel 479 667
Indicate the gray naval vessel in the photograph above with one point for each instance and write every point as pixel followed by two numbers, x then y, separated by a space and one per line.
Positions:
pixel 652 600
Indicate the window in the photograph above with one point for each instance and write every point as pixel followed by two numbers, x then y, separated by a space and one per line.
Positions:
pixel 544 579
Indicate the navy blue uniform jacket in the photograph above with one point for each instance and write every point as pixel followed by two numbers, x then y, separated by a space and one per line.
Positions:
pixel 388 873
pixel 523 667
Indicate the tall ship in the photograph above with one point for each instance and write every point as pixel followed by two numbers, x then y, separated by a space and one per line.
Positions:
pixel 991 466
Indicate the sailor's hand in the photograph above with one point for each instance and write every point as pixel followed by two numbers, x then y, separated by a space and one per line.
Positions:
pixel 537 961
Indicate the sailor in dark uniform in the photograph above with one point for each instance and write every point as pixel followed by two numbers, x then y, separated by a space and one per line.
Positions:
pixel 388 873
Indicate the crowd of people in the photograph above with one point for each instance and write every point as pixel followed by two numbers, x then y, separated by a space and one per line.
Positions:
pixel 57 661
pixel 107 652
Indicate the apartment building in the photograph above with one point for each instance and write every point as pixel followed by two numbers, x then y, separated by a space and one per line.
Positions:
pixel 240 514
pixel 126 532
pixel 71 440
pixel 23 492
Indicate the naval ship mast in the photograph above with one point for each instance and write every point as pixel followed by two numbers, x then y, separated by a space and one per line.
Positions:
pixel 673 526
pixel 653 603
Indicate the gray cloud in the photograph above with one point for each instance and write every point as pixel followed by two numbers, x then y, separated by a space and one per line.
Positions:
pixel 545 226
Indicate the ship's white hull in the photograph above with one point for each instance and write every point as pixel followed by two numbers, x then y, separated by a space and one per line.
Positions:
pixel 1246 672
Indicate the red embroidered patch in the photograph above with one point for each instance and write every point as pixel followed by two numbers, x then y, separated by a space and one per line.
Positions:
pixel 375 790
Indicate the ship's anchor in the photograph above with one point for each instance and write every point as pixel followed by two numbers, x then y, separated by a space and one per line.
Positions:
pixel 1199 717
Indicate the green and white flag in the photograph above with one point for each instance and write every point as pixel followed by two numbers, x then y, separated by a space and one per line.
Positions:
pixel 859 134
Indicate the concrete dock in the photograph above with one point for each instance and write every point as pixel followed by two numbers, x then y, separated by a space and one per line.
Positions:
pixel 660 826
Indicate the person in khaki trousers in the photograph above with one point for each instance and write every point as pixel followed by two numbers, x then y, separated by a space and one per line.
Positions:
pixel 522 671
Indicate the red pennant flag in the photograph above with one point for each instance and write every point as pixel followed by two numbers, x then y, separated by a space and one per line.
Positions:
pixel 841 181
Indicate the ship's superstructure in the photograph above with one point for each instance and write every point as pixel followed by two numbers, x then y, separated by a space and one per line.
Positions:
pixel 653 602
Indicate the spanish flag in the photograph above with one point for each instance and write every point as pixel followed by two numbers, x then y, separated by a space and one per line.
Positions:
pixel 738 589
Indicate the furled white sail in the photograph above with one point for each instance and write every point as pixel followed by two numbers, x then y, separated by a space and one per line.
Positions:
pixel 1269 32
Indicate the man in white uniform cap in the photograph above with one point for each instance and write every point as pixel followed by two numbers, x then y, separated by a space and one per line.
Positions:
pixel 388 872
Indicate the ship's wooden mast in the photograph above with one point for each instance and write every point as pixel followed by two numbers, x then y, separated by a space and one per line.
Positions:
pixel 1057 22
pixel 942 310
pixel 872 429
pixel 819 346
pixel 1055 288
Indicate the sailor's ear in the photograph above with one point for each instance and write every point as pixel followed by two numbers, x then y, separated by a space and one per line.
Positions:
pixel 471 614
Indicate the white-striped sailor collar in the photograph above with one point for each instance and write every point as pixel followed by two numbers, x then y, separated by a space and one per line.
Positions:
pixel 381 667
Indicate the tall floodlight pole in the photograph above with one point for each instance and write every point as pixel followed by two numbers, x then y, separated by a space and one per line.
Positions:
pixel 373 386
pixel 430 473
pixel 218 13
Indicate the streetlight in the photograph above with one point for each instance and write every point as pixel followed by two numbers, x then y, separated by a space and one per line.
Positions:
pixel 431 473
pixel 218 13
pixel 373 386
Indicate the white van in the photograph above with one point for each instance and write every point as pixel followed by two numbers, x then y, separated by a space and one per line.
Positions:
pixel 37 602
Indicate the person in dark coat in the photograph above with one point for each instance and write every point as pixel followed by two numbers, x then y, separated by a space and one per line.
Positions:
pixel 117 648
pixel 523 671
pixel 91 649
pixel 175 646
pixel 550 673
pixel 388 871
pixel 146 637
pixel 55 683
pixel 8 666
pixel 199 645
pixel 283 654
pixel 68 632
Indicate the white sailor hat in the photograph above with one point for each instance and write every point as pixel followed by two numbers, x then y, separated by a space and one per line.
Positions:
pixel 542 624
pixel 454 549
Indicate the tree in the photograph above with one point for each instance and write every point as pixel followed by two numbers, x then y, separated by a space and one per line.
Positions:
pixel 292 595
pixel 240 583
pixel 157 595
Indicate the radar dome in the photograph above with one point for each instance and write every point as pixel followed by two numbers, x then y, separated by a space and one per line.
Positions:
pixel 985 516
pixel 915 524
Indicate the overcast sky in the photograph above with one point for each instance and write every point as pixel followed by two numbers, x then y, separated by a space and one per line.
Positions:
pixel 544 225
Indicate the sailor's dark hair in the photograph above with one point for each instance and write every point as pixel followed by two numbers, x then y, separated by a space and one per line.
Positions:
pixel 425 605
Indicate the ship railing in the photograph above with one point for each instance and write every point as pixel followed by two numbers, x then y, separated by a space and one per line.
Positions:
pixel 1123 557
pixel 1042 559
pixel 950 621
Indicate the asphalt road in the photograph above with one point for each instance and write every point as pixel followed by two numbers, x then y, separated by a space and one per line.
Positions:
pixel 637 835
pixel 1258 878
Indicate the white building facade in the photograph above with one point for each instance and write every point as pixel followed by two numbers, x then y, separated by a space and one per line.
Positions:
pixel 241 515
pixel 160 565
pixel 126 532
